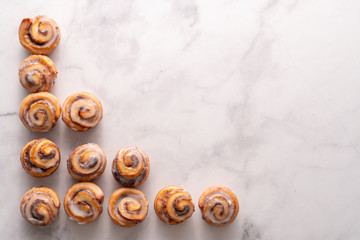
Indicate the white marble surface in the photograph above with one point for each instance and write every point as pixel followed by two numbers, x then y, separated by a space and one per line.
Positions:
pixel 260 96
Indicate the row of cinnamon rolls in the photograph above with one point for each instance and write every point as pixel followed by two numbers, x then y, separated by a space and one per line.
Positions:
pixel 40 111
pixel 41 157
pixel 127 206
pixel 39 36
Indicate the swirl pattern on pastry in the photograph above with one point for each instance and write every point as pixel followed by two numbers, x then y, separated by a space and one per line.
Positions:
pixel 83 202
pixel 131 166
pixel 40 206
pixel 219 206
pixel 173 205
pixel 127 207
pixel 40 111
pixel 86 162
pixel 40 35
pixel 82 111
pixel 40 157
pixel 37 73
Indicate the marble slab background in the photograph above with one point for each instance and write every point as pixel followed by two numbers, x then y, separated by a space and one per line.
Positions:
pixel 261 96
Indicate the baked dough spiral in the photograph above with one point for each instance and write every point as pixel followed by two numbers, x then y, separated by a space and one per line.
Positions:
pixel 83 202
pixel 40 206
pixel 131 166
pixel 173 205
pixel 219 206
pixel 127 207
pixel 82 111
pixel 40 111
pixel 40 35
pixel 37 73
pixel 40 157
pixel 86 162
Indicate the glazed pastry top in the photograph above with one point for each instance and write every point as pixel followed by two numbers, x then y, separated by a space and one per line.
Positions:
pixel 131 166
pixel 127 207
pixel 37 73
pixel 86 162
pixel 219 206
pixel 82 111
pixel 40 35
pixel 40 206
pixel 40 111
pixel 173 205
pixel 83 202
pixel 40 157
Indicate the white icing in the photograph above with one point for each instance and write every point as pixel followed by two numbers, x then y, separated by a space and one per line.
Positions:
pixel 26 115
pixel 86 103
pixel 231 207
pixel 25 208
pixel 53 37
pixel 74 208
pixel 134 198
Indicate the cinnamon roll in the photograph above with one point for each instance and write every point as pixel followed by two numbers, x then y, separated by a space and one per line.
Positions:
pixel 173 205
pixel 86 162
pixel 219 206
pixel 40 111
pixel 40 157
pixel 83 202
pixel 131 166
pixel 37 73
pixel 40 206
pixel 82 111
pixel 40 35
pixel 127 207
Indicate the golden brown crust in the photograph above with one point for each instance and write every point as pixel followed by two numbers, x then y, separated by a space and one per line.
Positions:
pixel 127 207
pixel 82 111
pixel 219 206
pixel 83 202
pixel 40 157
pixel 173 205
pixel 37 73
pixel 40 111
pixel 40 35
pixel 86 162
pixel 131 166
pixel 40 206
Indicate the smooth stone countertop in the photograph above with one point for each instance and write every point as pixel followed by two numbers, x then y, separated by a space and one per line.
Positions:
pixel 261 96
